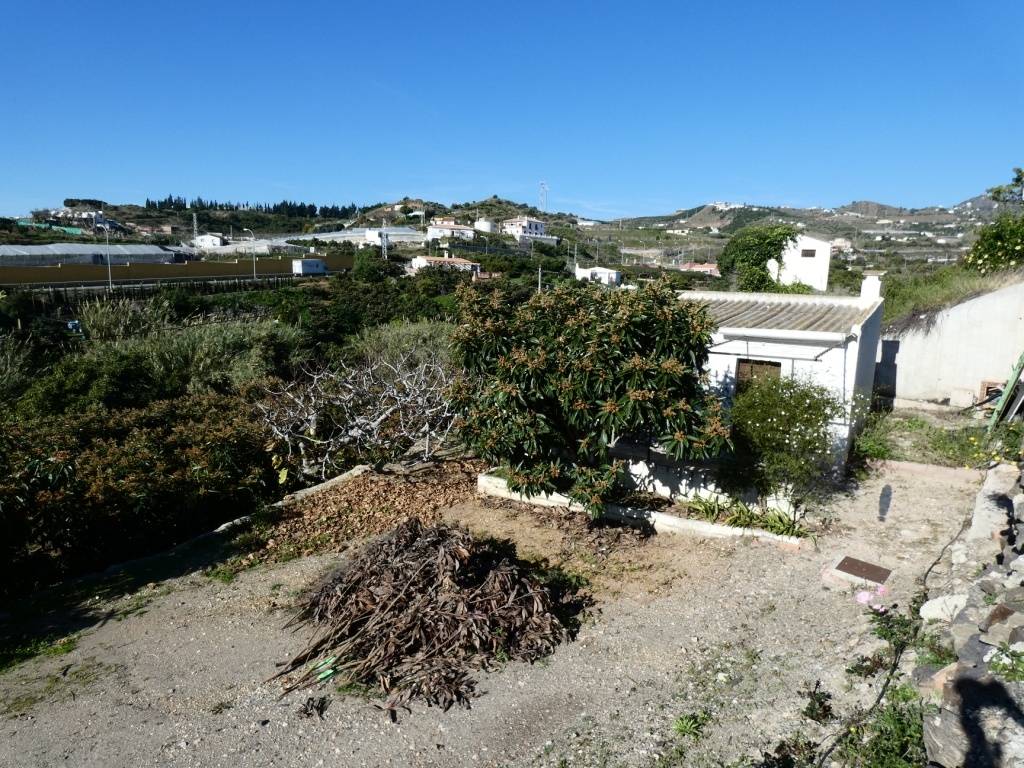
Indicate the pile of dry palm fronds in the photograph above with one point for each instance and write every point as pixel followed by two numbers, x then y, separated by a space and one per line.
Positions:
pixel 418 610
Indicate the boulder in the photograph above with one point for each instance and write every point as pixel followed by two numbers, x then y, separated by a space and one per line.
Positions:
pixel 943 608
pixel 944 740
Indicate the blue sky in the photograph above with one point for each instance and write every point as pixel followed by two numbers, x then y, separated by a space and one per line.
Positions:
pixel 622 108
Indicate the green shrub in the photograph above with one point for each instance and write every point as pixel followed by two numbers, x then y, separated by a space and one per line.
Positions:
pixel 130 373
pixel 121 318
pixel 15 369
pixel 79 492
pixel 748 251
pixel 783 443
pixel 553 382
pixel 1000 245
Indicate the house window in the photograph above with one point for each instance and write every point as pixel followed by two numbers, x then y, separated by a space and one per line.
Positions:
pixel 808 253
pixel 747 370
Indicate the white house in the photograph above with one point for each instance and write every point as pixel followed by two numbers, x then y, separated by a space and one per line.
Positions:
pixel 806 261
pixel 308 267
pixel 210 240
pixel 444 262
pixel 522 226
pixel 446 228
pixel 524 229
pixel 830 340
pixel 485 225
pixel 599 275
pixel 375 236
pixel 957 355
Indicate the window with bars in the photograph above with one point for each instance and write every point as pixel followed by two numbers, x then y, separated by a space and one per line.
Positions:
pixel 747 370
pixel 808 253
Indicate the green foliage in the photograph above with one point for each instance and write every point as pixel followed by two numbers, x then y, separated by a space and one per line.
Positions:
pixel 370 267
pixel 819 704
pixel 553 382
pixel 691 725
pixel 219 357
pixel 892 738
pixel 1000 245
pixel 736 513
pixel 120 318
pixel 905 437
pixel 783 444
pixel 415 342
pixel 15 369
pixel 81 491
pixel 14 651
pixel 1008 664
pixel 747 254
pixel 908 296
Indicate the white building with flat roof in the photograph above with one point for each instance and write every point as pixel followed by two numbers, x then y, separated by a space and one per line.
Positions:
pixel 805 260
pixel 601 275
pixel 444 262
pixel 446 227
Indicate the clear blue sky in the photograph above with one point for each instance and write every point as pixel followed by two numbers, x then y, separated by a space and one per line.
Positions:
pixel 623 108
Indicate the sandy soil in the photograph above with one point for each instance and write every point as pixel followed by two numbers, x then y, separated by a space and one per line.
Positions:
pixel 172 674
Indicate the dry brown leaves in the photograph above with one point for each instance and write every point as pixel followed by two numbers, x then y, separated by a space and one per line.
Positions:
pixel 418 610
pixel 370 504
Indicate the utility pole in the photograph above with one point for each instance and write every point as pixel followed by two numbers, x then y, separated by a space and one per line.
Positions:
pixel 246 229
pixel 539 287
pixel 110 274
pixel 195 229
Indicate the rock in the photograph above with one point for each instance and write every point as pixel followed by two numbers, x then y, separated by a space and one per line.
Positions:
pixel 943 608
pixel 972 652
pixel 932 684
pixel 991 586
pixel 1014 598
pixel 997 615
pixel 1000 633
pixel 961 633
pixel 944 740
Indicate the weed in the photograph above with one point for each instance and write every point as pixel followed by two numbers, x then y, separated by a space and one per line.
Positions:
pixel 691 725
pixel 1008 664
pixel 893 627
pixel 892 738
pixel 221 707
pixel 794 752
pixel 989 599
pixel 866 666
pixel 356 689
pixel 819 704
pixel 14 652
pixel 931 651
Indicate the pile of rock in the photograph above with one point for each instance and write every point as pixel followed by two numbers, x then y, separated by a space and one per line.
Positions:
pixel 980 714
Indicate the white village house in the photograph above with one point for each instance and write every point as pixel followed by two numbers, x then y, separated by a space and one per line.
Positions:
pixel 601 275
pixel 524 229
pixel 806 261
pixel 444 262
pixel 445 227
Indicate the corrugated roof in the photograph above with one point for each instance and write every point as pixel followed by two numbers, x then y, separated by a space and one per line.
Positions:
pixel 84 249
pixel 784 312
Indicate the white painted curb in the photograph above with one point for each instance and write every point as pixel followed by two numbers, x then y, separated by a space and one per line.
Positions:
pixel 492 485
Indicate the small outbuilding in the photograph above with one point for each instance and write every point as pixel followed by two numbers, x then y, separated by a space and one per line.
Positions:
pixel 309 267
pixel 829 340
pixel 601 275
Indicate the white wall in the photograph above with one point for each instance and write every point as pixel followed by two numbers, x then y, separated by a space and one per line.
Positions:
pixel 949 355
pixel 796 268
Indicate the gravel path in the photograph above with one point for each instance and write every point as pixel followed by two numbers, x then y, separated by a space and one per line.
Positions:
pixel 175 676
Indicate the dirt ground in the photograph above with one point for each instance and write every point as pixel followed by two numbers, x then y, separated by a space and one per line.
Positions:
pixel 172 672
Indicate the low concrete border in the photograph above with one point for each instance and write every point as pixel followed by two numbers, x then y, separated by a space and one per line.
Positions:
pixel 492 485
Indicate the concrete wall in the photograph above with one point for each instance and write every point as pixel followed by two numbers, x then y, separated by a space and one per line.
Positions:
pixel 946 357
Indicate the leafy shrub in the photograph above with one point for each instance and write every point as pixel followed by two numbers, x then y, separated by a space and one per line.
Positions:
pixel 131 373
pixel 783 444
pixel 1000 245
pixel 15 368
pixel 892 738
pixel 747 254
pixel 121 318
pixel 555 381
pixel 79 492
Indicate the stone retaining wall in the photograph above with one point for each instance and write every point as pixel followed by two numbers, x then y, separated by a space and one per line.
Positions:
pixel 978 610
